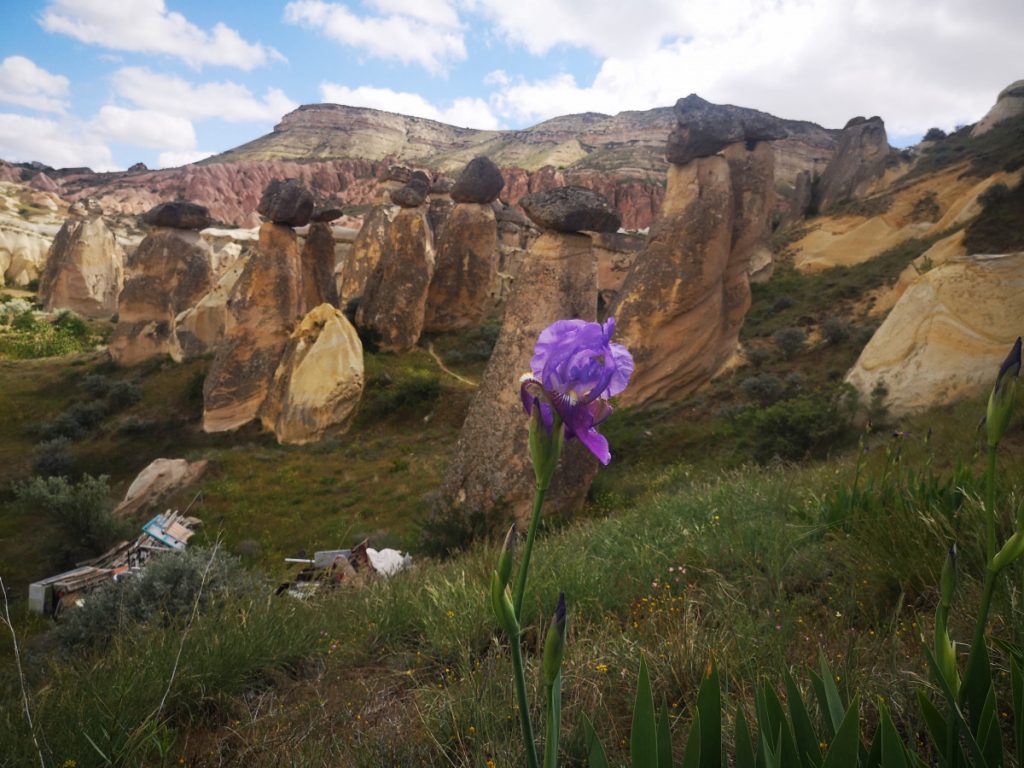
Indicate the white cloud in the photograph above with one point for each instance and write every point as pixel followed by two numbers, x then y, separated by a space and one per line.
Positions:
pixel 806 59
pixel 144 128
pixel 24 83
pixel 439 12
pixel 225 100
pixel 465 112
pixel 61 145
pixel 146 26
pixel 175 159
pixel 405 36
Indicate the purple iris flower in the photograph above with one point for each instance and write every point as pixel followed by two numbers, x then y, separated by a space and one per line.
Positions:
pixel 575 369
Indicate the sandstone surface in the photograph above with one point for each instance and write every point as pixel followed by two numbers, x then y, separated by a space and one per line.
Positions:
pixel 394 301
pixel 859 161
pixel 200 329
pixel 319 381
pixel 1009 104
pixel 490 472
pixel 946 336
pixel 168 273
pixel 464 271
pixel 161 479
pixel 318 258
pixel 264 305
pixel 84 267
pixel 365 254
pixel 683 294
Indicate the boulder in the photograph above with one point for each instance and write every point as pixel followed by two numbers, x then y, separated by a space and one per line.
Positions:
pixel 1009 104
pixel 570 209
pixel 704 129
pixel 391 310
pixel 946 336
pixel 319 381
pixel 157 483
pixel 177 215
pixel 676 303
pixel 800 203
pixel 410 196
pixel 858 162
pixel 317 257
pixel 365 254
pixel 489 475
pixel 264 306
pixel 22 254
pixel 464 271
pixel 326 214
pixel 286 202
pixel 200 329
pixel 168 272
pixel 84 267
pixel 480 182
pixel 442 185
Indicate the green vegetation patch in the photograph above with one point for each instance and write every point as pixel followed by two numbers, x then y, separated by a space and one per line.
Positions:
pixel 999 228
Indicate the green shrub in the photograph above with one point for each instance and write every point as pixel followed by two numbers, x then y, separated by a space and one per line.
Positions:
pixel 765 388
pixel 123 394
pixel 63 425
pixel 934 134
pixel 52 458
pixel 836 330
pixel 808 425
pixel 81 511
pixel 412 392
pixel 790 341
pixel 71 324
pixel 168 587
pixel 95 384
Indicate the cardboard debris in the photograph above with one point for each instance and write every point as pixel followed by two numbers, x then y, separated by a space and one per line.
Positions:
pixel 168 532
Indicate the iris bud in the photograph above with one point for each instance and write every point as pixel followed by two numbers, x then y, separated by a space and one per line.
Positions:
pixel 1000 402
pixel 501 603
pixel 1012 549
pixel 505 558
pixel 554 644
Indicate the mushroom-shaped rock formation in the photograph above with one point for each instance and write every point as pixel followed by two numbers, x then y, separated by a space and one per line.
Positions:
pixel 571 209
pixel 480 182
pixel 286 202
pixel 177 215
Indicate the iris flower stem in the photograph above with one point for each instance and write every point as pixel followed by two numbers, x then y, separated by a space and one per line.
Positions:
pixel 519 678
pixel 524 568
pixel 990 505
pixel 982 622
pixel 554 720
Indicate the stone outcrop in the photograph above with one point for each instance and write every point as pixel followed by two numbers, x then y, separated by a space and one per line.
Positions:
pixel 264 306
pixel 286 202
pixel 800 203
pixel 412 195
pixel 704 129
pixel 1009 104
pixel 168 272
pixel 177 215
pixel 365 254
pixel 480 182
pixel 683 303
pixel 490 473
pixel 23 250
pixel 319 381
pixel 615 254
pixel 464 272
pixel 84 266
pixel 570 209
pixel 200 329
pixel 318 257
pixel 157 483
pixel 859 161
pixel 946 336
pixel 393 304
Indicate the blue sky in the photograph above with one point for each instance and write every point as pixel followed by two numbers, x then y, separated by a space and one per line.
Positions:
pixel 107 83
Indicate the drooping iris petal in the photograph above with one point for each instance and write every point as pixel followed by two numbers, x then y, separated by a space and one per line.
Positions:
pixel 579 368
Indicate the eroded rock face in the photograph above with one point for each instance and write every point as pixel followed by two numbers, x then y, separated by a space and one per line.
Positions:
pixel 1009 104
pixel 161 479
pixel 571 209
pixel 264 306
pixel 365 254
pixel 480 182
pixel 318 258
pixel 169 272
pixel 177 215
pixel 84 267
pixel 490 472
pixel 752 173
pixel 859 161
pixel 412 195
pixel 200 329
pixel 676 302
pixel 946 336
pixel 704 129
pixel 286 202
pixel 394 301
pixel 319 381
pixel 464 272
